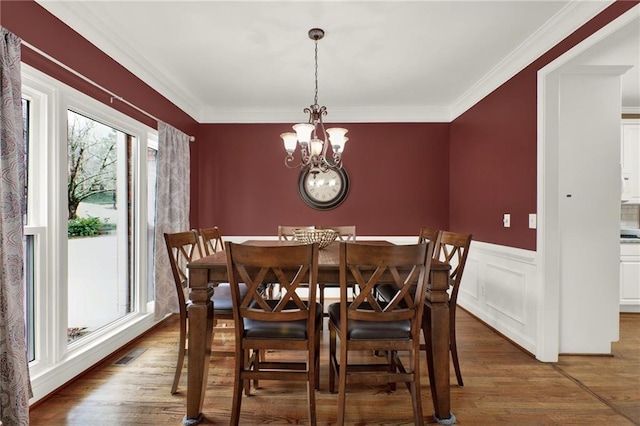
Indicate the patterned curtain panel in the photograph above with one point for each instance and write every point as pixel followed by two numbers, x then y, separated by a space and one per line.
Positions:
pixel 15 388
pixel 172 209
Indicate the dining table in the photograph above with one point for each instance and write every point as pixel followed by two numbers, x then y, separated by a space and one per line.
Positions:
pixel 208 271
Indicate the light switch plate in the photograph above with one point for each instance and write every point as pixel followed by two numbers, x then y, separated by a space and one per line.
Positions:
pixel 506 220
pixel 533 221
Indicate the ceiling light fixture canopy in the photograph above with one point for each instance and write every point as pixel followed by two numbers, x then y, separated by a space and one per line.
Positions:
pixel 312 136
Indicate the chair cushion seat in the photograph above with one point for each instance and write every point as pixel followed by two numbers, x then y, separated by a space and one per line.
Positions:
pixel 222 302
pixel 295 330
pixel 372 330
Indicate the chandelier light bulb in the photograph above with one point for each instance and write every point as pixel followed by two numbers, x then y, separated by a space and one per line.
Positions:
pixel 290 141
pixel 337 138
pixel 316 147
pixel 303 131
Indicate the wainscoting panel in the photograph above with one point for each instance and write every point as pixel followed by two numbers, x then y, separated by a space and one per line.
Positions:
pixel 471 287
pixel 499 287
pixel 504 289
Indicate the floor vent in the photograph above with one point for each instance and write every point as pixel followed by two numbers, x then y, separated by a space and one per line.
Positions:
pixel 129 357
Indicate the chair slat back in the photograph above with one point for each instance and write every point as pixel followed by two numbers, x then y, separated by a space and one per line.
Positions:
pixel 292 267
pixel 211 240
pixel 286 232
pixel 428 234
pixel 345 233
pixel 453 249
pixel 182 247
pixel 407 266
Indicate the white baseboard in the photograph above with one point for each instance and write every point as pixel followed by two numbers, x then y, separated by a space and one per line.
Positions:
pixel 630 308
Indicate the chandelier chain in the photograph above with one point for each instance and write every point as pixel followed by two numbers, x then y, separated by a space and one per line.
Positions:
pixel 315 98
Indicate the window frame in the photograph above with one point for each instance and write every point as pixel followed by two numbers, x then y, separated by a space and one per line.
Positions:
pixel 56 362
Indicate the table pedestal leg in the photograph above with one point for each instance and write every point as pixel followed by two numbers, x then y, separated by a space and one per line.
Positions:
pixel 200 333
pixel 435 327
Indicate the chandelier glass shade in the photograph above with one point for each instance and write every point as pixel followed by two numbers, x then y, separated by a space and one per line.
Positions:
pixel 315 142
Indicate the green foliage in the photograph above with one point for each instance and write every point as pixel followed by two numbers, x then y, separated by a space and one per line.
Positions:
pixel 85 227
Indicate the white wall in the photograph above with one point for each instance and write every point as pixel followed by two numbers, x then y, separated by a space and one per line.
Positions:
pixel 589 208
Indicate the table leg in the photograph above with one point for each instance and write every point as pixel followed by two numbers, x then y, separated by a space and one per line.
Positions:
pixel 200 316
pixel 436 332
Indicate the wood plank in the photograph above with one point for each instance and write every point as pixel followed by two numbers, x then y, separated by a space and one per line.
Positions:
pixel 502 384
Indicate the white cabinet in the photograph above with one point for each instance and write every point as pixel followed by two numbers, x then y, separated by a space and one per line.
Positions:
pixel 630 277
pixel 630 161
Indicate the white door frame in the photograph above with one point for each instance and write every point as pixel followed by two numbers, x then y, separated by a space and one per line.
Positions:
pixel 547 234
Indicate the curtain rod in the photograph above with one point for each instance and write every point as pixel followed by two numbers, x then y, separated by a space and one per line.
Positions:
pixel 93 83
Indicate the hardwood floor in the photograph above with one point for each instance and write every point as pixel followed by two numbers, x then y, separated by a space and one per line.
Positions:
pixel 503 385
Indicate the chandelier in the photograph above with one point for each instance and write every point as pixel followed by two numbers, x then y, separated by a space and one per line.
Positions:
pixel 312 136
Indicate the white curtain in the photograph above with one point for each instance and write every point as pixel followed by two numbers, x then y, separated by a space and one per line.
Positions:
pixel 15 387
pixel 172 209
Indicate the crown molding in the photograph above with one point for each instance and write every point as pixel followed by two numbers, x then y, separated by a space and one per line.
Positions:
pixel 560 26
pixel 116 46
pixel 408 114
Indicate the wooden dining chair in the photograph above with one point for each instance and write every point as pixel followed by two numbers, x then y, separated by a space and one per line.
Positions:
pixel 212 242
pixel 285 324
pixel 366 324
pixel 287 232
pixel 182 247
pixel 345 233
pixel 452 249
pixel 386 291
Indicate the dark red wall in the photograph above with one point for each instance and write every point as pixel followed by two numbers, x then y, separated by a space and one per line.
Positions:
pixel 493 166
pixel 398 179
pixel 461 176
pixel 493 150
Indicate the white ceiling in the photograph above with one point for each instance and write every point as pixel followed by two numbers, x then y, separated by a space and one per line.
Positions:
pixel 252 61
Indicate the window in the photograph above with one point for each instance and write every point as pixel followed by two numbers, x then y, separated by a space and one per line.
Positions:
pixel 88 230
pixel 28 250
pixel 99 259
pixel 152 158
